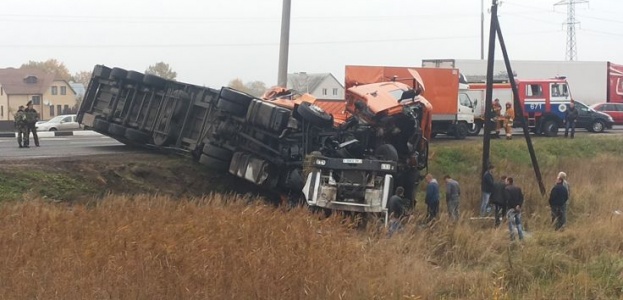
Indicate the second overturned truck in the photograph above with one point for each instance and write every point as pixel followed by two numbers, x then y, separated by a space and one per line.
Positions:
pixel 282 142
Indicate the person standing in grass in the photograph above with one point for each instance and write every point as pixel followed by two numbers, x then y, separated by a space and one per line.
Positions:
pixel 557 200
pixel 396 211
pixel 514 199
pixel 453 193
pixel 565 183
pixel 432 197
pixel 497 198
pixel 487 189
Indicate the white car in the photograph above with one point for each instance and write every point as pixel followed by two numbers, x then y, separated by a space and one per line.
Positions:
pixel 62 122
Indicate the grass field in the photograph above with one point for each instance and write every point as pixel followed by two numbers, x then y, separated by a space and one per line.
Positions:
pixel 222 247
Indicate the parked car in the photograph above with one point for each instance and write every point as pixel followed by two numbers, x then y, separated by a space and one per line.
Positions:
pixel 62 122
pixel 591 119
pixel 615 110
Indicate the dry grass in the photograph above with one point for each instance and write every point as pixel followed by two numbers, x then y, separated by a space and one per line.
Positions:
pixel 221 247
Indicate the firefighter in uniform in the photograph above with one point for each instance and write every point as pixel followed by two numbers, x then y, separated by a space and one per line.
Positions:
pixel 497 116
pixel 509 117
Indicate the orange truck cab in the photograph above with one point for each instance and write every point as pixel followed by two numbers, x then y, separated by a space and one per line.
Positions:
pixel 443 88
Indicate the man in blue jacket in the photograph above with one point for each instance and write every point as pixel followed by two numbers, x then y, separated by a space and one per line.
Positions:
pixel 487 190
pixel 432 197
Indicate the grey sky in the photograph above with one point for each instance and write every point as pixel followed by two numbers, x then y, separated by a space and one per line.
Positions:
pixel 210 42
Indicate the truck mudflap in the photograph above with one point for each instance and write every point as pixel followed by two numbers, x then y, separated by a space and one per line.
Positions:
pixel 321 191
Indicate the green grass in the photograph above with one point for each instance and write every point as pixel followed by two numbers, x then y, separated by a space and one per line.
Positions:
pixel 55 186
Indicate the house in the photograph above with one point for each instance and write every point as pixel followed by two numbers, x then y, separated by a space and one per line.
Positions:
pixel 50 96
pixel 323 86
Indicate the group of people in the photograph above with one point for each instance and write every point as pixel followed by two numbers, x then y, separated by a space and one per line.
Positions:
pixel 504 196
pixel 507 200
pixel 503 120
pixel 25 123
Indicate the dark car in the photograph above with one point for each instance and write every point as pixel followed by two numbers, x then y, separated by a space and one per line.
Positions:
pixel 615 110
pixel 591 119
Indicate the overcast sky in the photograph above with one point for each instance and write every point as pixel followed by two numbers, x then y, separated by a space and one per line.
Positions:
pixel 210 42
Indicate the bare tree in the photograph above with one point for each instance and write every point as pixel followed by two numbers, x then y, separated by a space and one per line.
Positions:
pixel 161 69
pixel 255 88
pixel 82 77
pixel 52 66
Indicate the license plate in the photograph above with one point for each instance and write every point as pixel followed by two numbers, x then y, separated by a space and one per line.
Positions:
pixel 352 161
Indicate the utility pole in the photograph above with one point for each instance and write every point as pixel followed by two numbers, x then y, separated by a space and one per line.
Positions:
pixel 572 51
pixel 519 115
pixel 284 44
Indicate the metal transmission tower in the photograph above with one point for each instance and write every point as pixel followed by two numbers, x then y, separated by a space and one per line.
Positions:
pixel 572 51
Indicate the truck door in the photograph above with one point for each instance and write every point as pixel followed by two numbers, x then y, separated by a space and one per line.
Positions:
pixel 465 104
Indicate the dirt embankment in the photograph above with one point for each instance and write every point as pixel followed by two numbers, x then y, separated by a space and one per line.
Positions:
pixel 84 178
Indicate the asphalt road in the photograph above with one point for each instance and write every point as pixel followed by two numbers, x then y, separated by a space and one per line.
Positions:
pixel 62 147
pixel 71 146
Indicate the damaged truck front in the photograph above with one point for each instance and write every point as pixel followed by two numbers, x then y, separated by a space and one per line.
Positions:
pixel 282 143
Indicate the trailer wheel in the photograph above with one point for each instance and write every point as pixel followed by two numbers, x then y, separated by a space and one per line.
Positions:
pixel 235 96
pixel 100 125
pixel 217 152
pixel 474 130
pixel 134 76
pixel 460 131
pixel 386 152
pixel 598 126
pixel 213 163
pixel 118 73
pixel 315 115
pixel 550 128
pixel 231 107
pixel 136 136
pixel 155 81
pixel 116 129
pixel 101 71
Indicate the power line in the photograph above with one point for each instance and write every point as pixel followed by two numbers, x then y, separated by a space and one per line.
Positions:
pixel 572 50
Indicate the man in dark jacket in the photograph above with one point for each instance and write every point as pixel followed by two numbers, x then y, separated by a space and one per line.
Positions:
pixel 396 210
pixel 432 197
pixel 32 116
pixel 571 117
pixel 497 198
pixel 487 190
pixel 557 199
pixel 514 199
pixel 453 194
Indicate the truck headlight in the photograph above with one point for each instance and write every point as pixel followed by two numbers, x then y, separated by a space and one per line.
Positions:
pixel 320 162
pixel 386 167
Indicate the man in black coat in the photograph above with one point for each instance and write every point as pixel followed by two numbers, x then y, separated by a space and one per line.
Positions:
pixel 557 200
pixel 514 199
pixel 497 198
pixel 571 117
pixel 487 190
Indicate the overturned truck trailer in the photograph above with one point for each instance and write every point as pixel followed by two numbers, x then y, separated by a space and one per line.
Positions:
pixel 281 143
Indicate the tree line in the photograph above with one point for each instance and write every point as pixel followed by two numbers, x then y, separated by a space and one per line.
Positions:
pixel 162 69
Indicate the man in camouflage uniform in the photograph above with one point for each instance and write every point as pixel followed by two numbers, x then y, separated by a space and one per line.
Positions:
pixel 32 116
pixel 20 125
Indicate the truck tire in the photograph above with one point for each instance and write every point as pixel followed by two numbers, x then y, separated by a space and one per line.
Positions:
pixel 118 73
pixel 231 107
pixel 550 128
pixel 314 115
pixel 134 76
pixel 474 130
pixel 155 81
pixel 235 96
pixel 101 71
pixel 116 129
pixel 136 136
pixel 217 152
pixel 213 163
pixel 100 125
pixel 386 152
pixel 598 126
pixel 460 131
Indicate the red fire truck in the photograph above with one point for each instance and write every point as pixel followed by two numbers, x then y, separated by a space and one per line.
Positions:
pixel 544 104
